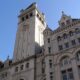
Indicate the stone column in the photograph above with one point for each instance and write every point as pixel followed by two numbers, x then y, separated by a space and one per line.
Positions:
pixel 75 70
pixel 57 72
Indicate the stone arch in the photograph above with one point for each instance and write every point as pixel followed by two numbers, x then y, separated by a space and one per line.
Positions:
pixel 75 51
pixel 21 77
pixel 59 57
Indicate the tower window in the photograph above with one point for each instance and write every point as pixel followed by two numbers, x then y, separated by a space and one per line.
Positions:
pixel 27 16
pixel 63 24
pixel 38 15
pixel 40 18
pixel 31 14
pixel 68 22
pixel 22 18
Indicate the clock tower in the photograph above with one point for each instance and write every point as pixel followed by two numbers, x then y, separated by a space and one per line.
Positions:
pixel 29 37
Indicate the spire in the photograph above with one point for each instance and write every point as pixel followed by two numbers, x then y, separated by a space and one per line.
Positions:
pixel 8 57
pixel 62 12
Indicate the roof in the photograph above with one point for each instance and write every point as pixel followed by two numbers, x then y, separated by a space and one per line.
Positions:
pixel 31 5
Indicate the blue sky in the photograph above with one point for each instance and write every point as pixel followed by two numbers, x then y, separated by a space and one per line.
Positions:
pixel 9 10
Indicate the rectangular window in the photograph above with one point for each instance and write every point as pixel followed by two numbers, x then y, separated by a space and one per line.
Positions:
pixel 79 70
pixel 79 40
pixel 60 47
pixel 27 16
pixel 73 42
pixel 49 49
pixel 51 75
pixel 16 69
pixel 48 40
pixel 43 70
pixel 50 63
pixel 70 74
pixel 31 14
pixel 67 75
pixel 21 67
pixel 64 75
pixel 27 65
pixel 66 45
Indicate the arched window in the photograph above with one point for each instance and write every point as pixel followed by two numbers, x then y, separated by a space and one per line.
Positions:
pixel 21 67
pixel 64 35
pixel 68 22
pixel 16 69
pixel 21 79
pixel 70 33
pixel 59 38
pixel 78 55
pixel 65 61
pixel 62 24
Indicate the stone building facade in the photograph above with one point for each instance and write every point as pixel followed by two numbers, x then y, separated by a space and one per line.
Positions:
pixel 41 53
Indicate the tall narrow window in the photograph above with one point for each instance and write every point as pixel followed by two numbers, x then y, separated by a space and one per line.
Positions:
pixel 48 40
pixel 21 67
pixel 27 16
pixel 67 45
pixel 31 14
pixel 73 42
pixel 77 30
pixel 79 40
pixel 49 49
pixel 50 63
pixel 71 33
pixel 65 36
pixel 58 38
pixel 79 70
pixel 22 18
pixel 27 65
pixel 16 69
pixel 62 24
pixel 68 22
pixel 60 47
pixel 78 55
